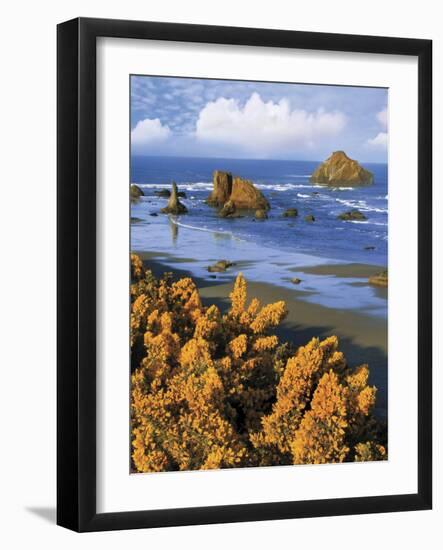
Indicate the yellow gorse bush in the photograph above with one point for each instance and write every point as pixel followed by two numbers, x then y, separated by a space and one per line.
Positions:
pixel 213 390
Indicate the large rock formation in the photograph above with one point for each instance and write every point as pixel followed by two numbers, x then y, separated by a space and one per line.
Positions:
pixel 174 205
pixel 339 169
pixel 246 196
pixel 240 192
pixel 222 188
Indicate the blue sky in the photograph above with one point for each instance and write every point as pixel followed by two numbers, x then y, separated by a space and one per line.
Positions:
pixel 242 119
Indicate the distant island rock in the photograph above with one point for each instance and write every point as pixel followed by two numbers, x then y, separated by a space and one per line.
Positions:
pixel 174 205
pixel 339 169
pixel 241 193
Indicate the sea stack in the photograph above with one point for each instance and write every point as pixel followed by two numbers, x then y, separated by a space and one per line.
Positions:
pixel 339 169
pixel 174 205
pixel 241 193
pixel 136 192
pixel 222 188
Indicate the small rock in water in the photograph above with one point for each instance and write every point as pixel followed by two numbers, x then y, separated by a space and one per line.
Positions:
pixel 309 218
pixel 261 215
pixel 164 193
pixel 296 281
pixel 352 215
pixel 154 214
pixel 369 248
pixel 228 210
pixel 290 213
pixel 220 266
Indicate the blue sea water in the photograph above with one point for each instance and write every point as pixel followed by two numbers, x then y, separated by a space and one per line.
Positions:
pixel 203 236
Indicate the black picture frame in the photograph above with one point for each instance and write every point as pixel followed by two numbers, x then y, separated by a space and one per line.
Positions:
pixel 76 265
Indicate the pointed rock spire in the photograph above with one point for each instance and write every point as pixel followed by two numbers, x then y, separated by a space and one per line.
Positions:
pixel 174 205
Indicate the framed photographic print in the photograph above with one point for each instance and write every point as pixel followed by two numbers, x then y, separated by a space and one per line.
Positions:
pixel 244 274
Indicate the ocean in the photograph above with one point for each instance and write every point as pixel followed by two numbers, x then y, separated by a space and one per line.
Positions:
pixel 276 247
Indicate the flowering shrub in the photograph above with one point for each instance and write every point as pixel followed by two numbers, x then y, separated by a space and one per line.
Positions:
pixel 213 390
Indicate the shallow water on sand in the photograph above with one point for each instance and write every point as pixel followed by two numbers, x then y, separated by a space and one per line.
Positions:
pixel 278 249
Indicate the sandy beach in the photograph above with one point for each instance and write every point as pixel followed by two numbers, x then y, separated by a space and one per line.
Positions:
pixel 363 337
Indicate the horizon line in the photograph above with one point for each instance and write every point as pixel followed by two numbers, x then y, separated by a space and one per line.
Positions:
pixel 248 158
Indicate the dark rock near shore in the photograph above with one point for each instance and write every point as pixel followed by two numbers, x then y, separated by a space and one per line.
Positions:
pixel 309 218
pixel 165 193
pixel 352 215
pixel 153 214
pixel 220 266
pixel 174 205
pixel 340 169
pixel 290 213
pixel 296 281
pixel 381 279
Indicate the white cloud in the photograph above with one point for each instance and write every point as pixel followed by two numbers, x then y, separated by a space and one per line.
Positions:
pixel 380 140
pixel 264 127
pixel 149 131
pixel 382 117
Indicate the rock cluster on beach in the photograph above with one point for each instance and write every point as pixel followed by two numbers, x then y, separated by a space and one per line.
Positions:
pixel 174 205
pixel 339 169
pixel 235 193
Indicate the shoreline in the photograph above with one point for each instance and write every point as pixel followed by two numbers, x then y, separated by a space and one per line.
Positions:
pixel 363 337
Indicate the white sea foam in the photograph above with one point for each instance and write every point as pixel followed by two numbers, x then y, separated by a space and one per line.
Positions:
pixel 361 205
pixel 197 228
pixel 368 222
pixel 283 186
pixel 302 196
pixel 207 186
